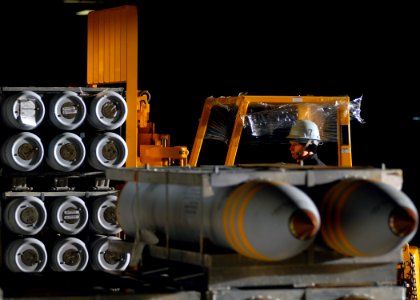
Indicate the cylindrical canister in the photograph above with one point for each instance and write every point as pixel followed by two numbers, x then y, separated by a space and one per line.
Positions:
pixel 67 110
pixel 107 111
pixel 103 215
pixel 69 215
pixel 27 255
pixel 25 215
pixel 24 110
pixel 66 152
pixel 107 150
pixel 22 152
pixel 366 218
pixel 69 255
pixel 258 219
pixel 105 260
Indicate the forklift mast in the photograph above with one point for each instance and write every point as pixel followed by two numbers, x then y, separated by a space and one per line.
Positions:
pixel 112 59
pixel 279 111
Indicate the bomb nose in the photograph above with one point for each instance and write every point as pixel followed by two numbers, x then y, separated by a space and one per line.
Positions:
pixel 402 221
pixel 303 224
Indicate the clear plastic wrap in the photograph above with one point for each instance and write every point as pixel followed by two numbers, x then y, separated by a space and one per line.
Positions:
pixel 265 122
pixel 275 120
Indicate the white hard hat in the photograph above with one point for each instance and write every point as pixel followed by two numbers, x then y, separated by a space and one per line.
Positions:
pixel 303 131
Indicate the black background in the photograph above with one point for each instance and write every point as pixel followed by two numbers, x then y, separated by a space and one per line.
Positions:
pixel 190 51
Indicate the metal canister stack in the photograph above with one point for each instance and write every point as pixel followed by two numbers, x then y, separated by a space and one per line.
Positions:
pixel 57 143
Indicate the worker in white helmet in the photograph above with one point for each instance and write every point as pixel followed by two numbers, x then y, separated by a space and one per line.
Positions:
pixel 304 140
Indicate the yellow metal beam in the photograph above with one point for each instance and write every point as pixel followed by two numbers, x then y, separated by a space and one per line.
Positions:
pixel 304 111
pixel 112 58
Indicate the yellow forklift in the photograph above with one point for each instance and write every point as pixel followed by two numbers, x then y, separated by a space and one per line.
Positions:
pixel 112 60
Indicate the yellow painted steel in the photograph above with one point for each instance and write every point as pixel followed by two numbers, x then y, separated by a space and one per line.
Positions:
pixel 112 58
pixel 304 112
pixel 409 271
pixel 343 119
pixel 243 101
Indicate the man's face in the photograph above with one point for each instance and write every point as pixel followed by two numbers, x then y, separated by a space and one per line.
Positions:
pixel 296 149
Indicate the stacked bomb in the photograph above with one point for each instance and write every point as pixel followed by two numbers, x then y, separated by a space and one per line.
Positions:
pixel 25 111
pixel 272 221
pixel 261 220
pixel 366 218
pixel 57 129
pixel 68 216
